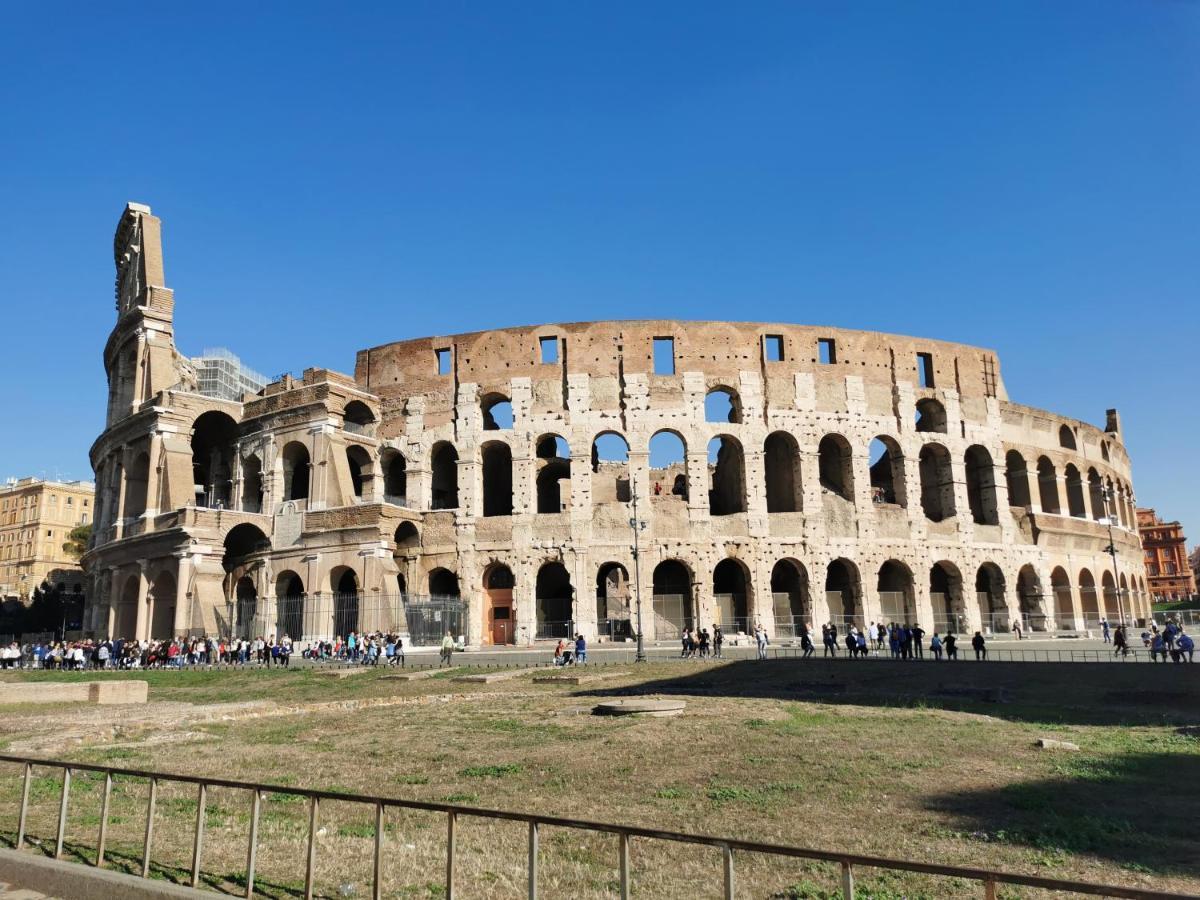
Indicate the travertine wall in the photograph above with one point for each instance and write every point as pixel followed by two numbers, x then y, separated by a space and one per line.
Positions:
pixel 791 523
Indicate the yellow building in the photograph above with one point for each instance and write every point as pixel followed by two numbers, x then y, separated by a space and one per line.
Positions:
pixel 35 518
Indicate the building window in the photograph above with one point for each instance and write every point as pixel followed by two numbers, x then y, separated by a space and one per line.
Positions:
pixel 443 360
pixel 826 351
pixel 83 519
pixel 925 369
pixel 664 356
pixel 70 501
pixel 549 349
pixel 773 347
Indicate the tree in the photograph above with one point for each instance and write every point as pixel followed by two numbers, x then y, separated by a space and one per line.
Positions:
pixel 77 541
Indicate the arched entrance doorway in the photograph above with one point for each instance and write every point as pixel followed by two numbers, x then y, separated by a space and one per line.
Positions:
pixel 994 613
pixel 1088 599
pixel 896 600
pixel 125 620
pixel 1029 600
pixel 162 598
pixel 1064 606
pixel 289 605
pixel 246 611
pixel 945 595
pixel 500 625
pixel 730 580
pixel 345 601
pixel 555 597
pixel 789 594
pixel 673 610
pixel 612 601
pixel 843 594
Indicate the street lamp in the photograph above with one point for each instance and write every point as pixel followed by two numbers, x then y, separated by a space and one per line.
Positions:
pixel 637 525
pixel 1110 502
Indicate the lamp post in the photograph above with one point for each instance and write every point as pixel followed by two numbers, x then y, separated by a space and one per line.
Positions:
pixel 637 525
pixel 1110 501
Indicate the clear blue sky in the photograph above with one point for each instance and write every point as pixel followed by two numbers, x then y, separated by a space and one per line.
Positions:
pixel 1016 175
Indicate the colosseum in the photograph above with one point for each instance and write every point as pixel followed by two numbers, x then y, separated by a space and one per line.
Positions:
pixel 492 483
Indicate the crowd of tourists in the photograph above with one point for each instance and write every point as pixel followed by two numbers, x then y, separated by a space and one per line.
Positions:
pixel 1170 641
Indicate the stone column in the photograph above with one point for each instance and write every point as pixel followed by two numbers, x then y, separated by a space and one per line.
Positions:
pixel 114 597
pixel 142 628
pixel 182 594
pixel 153 477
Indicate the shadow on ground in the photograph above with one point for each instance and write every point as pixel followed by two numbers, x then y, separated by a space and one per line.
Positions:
pixel 1052 693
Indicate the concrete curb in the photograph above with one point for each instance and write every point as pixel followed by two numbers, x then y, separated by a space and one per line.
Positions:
pixel 74 881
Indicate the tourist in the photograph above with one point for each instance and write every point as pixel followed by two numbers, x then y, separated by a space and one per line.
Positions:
pixel 1120 645
pixel 399 657
pixel 951 643
pixel 829 639
pixel 851 643
pixel 806 643
pixel 918 638
pixel 703 643
pixel 935 646
pixel 1016 627
pixel 980 645
pixel 1158 646
pixel 580 650
pixel 760 638
pixel 718 640
pixel 685 643
pixel 447 649
pixel 1104 629
pixel 894 640
pixel 1186 645
pixel 861 638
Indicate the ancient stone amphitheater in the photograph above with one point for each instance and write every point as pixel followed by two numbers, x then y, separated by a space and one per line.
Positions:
pixel 487 483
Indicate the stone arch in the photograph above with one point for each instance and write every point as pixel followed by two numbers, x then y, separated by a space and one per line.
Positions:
pixel 937 482
pixel 246 546
pixel 731 590
pixel 344 583
pixel 1076 505
pixel 289 604
pixel 252 484
pixel 162 595
pixel 612 599
pixel 395 476
pixel 296 471
pixel 727 478
pixel 245 594
pixel 555 602
pixel 1096 494
pixel 214 434
pixel 357 417
pixel 497 476
pixel 836 466
pixel 610 468
pixel 499 623
pixel 1064 604
pixel 137 483
pixel 1066 438
pixel 931 416
pixel 668 464
pixel 897 593
pixel 1109 588
pixel 497 412
pixel 791 597
pixel 843 592
pixel 553 480
pixel 991 594
pixel 1016 479
pixel 1030 599
pixel 443 480
pixel 886 460
pixel 1104 451
pixel 1128 605
pixel 722 405
pixel 358 460
pixel 1088 598
pixel 781 464
pixel 125 617
pixel 443 583
pixel 1048 486
pixel 981 485
pixel 946 597
pixel 674 611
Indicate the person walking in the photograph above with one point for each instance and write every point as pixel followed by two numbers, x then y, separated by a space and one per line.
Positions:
pixel 1120 644
pixel 980 645
pixel 447 649
pixel 703 643
pixel 1016 627
pixel 951 644
pixel 806 643
pixel 760 639
pixel 1104 629
pixel 718 639
pixel 935 646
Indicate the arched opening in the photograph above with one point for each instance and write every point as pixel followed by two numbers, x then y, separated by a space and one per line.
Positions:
pixel 1110 597
pixel 668 466
pixel 407 550
pixel 359 462
pixel 727 477
pixel 1096 496
pixel 836 466
pixel 497 479
pixel 610 469
pixel 246 549
pixel 730 581
pixel 295 471
pixel 555 596
pixel 790 597
pixel 137 480
pixel 1066 438
pixel 781 462
pixel 1016 479
pixel 344 583
pixel 162 598
pixel 125 619
pixel 443 583
pixel 395 477
pixel 246 611
pixel 897 599
pixel 289 603
pixel 213 437
pixel 843 593
pixel 1075 502
pixel 989 592
pixel 937 483
pixel 673 612
pixel 887 471
pixel 722 405
pixel 1029 599
pixel 252 485
pixel 612 601
pixel 1088 599
pixel 357 417
pixel 498 584
pixel 553 474
pixel 1126 602
pixel 1064 606
pixel 981 486
pixel 497 412
pixel 946 597
pixel 1104 451
pixel 443 476
pixel 931 416
pixel 1048 487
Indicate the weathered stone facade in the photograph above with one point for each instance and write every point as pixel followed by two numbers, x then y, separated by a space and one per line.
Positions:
pixel 327 502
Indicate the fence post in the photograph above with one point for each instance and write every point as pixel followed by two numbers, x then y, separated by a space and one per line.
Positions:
pixel 989 890
pixel 24 806
pixel 198 842
pixel 728 854
pixel 149 828
pixel 378 888
pixel 847 882
pixel 533 860
pixel 310 864
pixel 103 819
pixel 450 820
pixel 250 852
pixel 624 865
pixel 62 813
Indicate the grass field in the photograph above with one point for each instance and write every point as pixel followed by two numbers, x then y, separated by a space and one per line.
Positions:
pixel 877 758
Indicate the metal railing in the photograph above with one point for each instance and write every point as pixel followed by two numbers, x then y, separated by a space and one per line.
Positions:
pixel 989 879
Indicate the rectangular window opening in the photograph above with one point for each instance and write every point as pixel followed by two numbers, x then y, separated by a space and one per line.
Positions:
pixel 549 348
pixel 664 356
pixel 925 369
pixel 773 347
pixel 443 360
pixel 827 349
